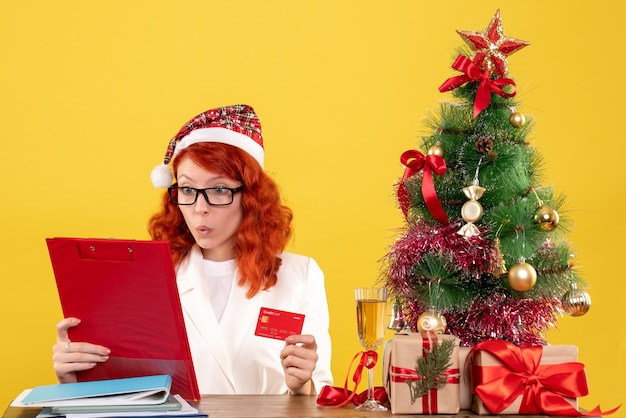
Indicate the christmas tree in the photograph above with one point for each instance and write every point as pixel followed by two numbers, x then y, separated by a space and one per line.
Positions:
pixel 483 254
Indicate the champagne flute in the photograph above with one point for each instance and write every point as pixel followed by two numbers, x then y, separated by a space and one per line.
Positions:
pixel 371 304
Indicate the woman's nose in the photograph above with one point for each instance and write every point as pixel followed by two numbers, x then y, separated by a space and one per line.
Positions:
pixel 201 205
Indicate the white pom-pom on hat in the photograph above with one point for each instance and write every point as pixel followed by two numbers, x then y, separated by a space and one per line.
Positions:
pixel 236 125
pixel 161 176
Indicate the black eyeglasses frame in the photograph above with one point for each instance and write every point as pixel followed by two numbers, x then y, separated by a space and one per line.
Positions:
pixel 233 190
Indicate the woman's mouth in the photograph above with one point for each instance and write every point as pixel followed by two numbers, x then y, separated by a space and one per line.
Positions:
pixel 203 230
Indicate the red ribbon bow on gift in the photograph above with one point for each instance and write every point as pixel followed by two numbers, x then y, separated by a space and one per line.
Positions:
pixel 414 161
pixel 334 396
pixel 542 387
pixel 472 72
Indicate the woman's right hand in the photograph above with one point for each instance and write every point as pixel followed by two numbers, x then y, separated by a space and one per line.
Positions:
pixel 70 357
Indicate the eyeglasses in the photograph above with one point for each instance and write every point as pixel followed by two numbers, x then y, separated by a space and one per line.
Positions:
pixel 214 196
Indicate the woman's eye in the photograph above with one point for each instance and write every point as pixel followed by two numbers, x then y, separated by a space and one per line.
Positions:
pixel 186 190
pixel 219 190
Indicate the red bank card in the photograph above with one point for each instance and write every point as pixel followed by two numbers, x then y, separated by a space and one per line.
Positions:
pixel 278 325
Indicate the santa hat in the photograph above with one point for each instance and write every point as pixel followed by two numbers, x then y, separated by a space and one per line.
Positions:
pixel 235 125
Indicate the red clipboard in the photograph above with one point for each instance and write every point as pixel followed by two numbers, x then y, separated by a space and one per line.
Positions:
pixel 125 294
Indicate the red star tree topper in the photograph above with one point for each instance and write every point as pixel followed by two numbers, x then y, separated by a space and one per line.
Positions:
pixel 491 47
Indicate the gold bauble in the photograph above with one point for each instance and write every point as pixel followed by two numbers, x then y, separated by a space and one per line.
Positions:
pixel 576 302
pixel 436 150
pixel 432 321
pixel 517 120
pixel 522 277
pixel 472 211
pixel 547 218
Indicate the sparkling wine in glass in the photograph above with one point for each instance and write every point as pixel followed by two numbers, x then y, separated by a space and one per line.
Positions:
pixel 371 306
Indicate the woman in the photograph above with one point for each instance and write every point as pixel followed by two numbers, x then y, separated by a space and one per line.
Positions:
pixel 227 231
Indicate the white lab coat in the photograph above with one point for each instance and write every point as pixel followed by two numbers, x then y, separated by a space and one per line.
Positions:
pixel 228 358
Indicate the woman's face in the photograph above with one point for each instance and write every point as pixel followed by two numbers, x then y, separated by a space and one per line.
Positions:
pixel 213 227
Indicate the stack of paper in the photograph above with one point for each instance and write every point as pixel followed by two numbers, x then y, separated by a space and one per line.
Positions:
pixel 147 396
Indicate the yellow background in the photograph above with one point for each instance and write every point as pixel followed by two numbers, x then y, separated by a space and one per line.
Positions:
pixel 92 91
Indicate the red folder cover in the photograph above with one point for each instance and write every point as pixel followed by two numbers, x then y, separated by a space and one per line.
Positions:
pixel 125 294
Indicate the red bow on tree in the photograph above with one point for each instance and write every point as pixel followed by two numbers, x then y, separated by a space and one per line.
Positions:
pixel 472 72
pixel 414 161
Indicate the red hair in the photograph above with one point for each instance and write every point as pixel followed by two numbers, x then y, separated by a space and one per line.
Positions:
pixel 266 224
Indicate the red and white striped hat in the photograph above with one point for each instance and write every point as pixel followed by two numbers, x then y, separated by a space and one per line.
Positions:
pixel 235 125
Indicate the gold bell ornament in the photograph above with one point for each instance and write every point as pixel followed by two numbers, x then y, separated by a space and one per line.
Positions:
pixel 498 268
pixel 397 320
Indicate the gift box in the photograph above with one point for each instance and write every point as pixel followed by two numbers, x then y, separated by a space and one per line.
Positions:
pixel 415 377
pixel 507 379
pixel 465 386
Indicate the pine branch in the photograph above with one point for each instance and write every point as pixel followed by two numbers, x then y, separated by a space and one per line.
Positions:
pixel 430 369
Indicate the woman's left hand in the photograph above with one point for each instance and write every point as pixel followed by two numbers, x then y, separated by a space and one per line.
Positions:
pixel 299 357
